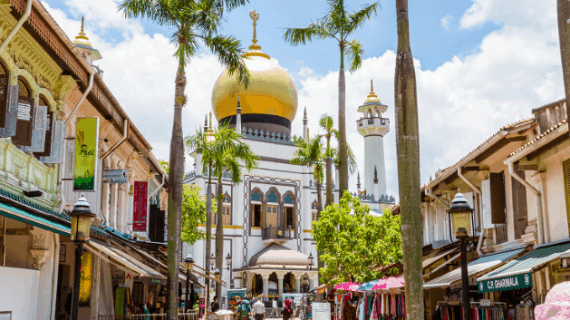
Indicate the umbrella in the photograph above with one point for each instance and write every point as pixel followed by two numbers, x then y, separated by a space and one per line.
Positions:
pixel 389 283
pixel 557 303
pixel 367 286
pixel 347 286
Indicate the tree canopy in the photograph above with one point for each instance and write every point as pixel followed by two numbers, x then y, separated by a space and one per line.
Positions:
pixel 354 243
pixel 193 213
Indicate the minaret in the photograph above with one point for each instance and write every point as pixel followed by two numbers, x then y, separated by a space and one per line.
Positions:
pixel 82 43
pixel 238 117
pixel 358 183
pixel 373 127
pixel 205 123
pixel 305 130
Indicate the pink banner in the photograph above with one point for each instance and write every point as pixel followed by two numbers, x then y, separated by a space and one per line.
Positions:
pixel 140 205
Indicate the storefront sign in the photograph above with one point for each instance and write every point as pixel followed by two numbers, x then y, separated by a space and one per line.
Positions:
pixel 506 283
pixel 85 278
pixel 153 281
pixel 140 206
pixel 557 269
pixel 236 293
pixel 116 175
pixel 321 311
pixel 86 147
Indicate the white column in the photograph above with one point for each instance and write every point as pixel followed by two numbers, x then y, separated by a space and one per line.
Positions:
pixel 105 201
pixel 297 284
pixel 113 207
pixel 120 208
pixel 265 285
pixel 280 284
pixel 374 156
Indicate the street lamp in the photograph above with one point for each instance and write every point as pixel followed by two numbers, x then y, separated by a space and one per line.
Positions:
pixel 189 264
pixel 229 262
pixel 80 226
pixel 310 258
pixel 460 214
pixel 212 260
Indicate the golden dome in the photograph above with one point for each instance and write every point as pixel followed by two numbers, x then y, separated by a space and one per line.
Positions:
pixel 372 97
pixel 271 91
pixel 81 40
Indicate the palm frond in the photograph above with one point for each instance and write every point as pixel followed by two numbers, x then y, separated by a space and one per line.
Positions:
pixel 364 14
pixel 160 12
pixel 326 122
pixel 315 30
pixel 354 54
pixel 229 51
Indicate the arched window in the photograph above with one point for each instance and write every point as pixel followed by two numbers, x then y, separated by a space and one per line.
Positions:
pixel 256 209
pixel 272 209
pixel 4 82
pixel 24 118
pixel 256 196
pixel 314 210
pixel 272 197
pixel 227 210
pixel 288 199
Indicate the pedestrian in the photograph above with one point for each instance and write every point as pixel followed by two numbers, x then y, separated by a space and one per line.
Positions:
pixel 145 311
pixel 243 310
pixel 286 312
pixel 293 307
pixel 215 305
pixel 258 310
pixel 274 309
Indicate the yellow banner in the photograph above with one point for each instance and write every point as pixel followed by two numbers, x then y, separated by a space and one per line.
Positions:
pixel 86 146
pixel 86 278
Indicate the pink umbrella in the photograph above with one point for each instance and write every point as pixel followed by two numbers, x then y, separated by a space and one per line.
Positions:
pixel 557 304
pixel 389 283
pixel 347 286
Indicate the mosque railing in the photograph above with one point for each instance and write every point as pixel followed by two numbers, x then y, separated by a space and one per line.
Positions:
pixel 373 121
pixel 271 232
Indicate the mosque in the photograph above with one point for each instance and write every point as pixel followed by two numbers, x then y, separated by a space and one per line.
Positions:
pixel 267 218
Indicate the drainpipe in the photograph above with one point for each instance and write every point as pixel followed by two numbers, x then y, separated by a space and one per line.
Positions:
pixel 528 186
pixel 18 25
pixel 89 87
pixel 160 186
pixel 481 216
pixel 118 144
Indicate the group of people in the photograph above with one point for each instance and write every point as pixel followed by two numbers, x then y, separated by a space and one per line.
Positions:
pixel 257 309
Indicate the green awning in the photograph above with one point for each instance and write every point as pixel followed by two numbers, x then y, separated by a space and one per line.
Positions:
pixel 12 212
pixel 518 273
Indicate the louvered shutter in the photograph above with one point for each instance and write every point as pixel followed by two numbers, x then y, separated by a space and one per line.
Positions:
pixel 9 129
pixel 39 130
pixel 497 197
pixel 57 141
pixel 25 118
pixel 48 136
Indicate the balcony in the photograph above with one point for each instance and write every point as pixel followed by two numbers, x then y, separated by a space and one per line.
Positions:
pixel 277 234
pixel 373 126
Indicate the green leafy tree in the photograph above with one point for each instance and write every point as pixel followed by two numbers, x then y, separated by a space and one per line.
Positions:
pixel 193 213
pixel 225 155
pixel 354 243
pixel 311 153
pixel 338 24
pixel 193 22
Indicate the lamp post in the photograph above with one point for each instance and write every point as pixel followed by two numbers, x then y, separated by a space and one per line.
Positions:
pixel 189 264
pixel 80 226
pixel 212 261
pixel 461 220
pixel 229 262
pixel 310 258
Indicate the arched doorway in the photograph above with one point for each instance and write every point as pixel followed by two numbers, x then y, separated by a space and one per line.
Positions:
pixel 257 285
pixel 289 283
pixel 272 286
pixel 305 283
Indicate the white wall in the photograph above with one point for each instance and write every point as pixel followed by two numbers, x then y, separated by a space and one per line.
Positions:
pixel 23 301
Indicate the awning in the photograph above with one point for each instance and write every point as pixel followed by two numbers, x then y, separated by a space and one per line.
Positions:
pixel 123 260
pixel 518 273
pixel 433 259
pixel 12 212
pixel 473 269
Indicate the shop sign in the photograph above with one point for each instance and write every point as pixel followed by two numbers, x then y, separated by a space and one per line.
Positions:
pixel 506 283
pixel 140 206
pixel 85 279
pixel 236 292
pixel 557 269
pixel 86 147
pixel 153 281
pixel 116 175
pixel 321 311
pixel 321 290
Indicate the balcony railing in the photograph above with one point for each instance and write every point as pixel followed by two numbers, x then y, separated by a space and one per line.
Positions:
pixel 373 121
pixel 270 233
pixel 152 316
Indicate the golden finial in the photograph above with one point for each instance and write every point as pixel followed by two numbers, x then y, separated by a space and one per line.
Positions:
pixel 372 94
pixel 82 32
pixel 254 16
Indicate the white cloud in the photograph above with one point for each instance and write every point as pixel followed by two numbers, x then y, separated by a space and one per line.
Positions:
pixel 445 21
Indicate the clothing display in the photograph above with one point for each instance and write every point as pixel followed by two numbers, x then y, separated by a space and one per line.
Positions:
pixel 381 306
pixel 446 312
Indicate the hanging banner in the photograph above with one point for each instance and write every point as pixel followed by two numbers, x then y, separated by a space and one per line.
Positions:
pixel 140 206
pixel 85 280
pixel 86 147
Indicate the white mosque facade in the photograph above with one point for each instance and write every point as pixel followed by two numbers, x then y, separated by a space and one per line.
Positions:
pixel 268 216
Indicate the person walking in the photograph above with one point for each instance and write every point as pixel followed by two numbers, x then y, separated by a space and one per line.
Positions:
pixel 293 307
pixel 258 310
pixel 274 309
pixel 244 310
pixel 215 305
pixel 286 312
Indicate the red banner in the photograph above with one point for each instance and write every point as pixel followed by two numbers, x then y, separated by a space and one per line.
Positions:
pixel 140 205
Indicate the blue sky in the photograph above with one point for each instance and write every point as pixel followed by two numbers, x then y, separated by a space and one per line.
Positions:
pixel 480 64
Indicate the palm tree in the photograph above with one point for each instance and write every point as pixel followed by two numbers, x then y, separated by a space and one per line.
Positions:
pixel 326 122
pixel 408 150
pixel 310 153
pixel 338 24
pixel 564 35
pixel 193 22
pixel 228 154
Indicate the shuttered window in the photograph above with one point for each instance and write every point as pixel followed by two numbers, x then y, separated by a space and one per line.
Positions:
pixel 498 207
pixel 24 116
pixel 49 131
pixel 567 186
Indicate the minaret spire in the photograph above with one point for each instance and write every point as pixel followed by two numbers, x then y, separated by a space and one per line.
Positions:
pixel 238 116
pixel 205 123
pixel 305 129
pixel 358 183
pixel 255 49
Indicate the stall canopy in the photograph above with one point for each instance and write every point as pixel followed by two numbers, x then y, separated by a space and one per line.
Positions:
pixel 518 273
pixel 474 268
pixel 123 261
pixel 12 212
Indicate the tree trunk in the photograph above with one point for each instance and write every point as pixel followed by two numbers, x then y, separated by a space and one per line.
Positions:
pixel 208 231
pixel 219 237
pixel 408 165
pixel 329 195
pixel 320 264
pixel 564 34
pixel 175 197
pixel 342 149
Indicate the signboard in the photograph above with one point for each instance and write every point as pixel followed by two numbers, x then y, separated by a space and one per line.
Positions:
pixel 86 147
pixel 140 206
pixel 116 175
pixel 485 303
pixel 321 311
pixel 557 269
pixel 153 281
pixel 85 280
pixel 236 292
pixel 518 281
